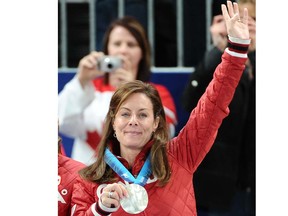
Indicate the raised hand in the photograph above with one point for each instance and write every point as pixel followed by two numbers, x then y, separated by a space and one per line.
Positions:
pixel 235 26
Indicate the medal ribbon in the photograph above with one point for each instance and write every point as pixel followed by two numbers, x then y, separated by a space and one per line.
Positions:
pixel 122 171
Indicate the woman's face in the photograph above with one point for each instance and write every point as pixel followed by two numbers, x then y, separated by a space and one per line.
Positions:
pixel 134 122
pixel 122 42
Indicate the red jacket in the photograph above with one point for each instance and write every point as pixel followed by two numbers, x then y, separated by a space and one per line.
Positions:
pixel 67 173
pixel 186 151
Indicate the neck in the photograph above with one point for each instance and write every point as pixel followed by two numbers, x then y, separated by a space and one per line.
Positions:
pixel 129 155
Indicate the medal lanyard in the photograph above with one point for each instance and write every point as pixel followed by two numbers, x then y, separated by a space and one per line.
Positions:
pixel 122 171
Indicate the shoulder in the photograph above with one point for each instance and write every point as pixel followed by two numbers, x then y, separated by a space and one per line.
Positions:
pixel 69 164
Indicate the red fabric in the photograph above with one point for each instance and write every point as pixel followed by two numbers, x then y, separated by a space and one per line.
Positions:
pixel 93 139
pixel 168 103
pixel 62 149
pixel 67 173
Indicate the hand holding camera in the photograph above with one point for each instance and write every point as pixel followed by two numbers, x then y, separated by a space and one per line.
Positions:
pixel 109 63
pixel 96 64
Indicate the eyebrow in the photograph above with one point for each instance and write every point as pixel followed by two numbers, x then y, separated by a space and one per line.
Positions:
pixel 142 109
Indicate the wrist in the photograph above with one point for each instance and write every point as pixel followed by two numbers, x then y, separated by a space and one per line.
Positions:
pixel 83 81
pixel 238 45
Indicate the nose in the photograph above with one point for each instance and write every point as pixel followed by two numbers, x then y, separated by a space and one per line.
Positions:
pixel 133 120
pixel 123 48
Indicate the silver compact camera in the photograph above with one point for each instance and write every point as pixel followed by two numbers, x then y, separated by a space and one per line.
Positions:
pixel 109 63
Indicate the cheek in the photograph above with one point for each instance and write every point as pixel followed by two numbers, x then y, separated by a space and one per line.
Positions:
pixel 137 56
pixel 135 52
pixel 150 127
pixel 119 124
pixel 111 50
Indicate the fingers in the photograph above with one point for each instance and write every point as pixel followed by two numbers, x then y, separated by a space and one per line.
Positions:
pixel 87 68
pixel 110 199
pixel 245 16
pixel 232 13
pixel 126 62
pixel 225 12
pixel 112 194
pixel 119 190
pixel 90 61
pixel 235 26
pixel 124 73
pixel 230 9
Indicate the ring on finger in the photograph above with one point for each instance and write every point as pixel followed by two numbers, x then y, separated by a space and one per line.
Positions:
pixel 110 194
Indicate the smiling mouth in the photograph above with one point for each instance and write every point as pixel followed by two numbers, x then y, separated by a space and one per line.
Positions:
pixel 133 133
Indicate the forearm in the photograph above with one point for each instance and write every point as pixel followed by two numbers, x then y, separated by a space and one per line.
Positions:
pixel 205 120
pixel 72 101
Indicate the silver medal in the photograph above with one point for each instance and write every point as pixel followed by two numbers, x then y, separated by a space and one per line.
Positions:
pixel 137 199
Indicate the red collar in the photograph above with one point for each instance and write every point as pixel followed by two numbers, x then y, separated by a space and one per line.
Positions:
pixel 139 160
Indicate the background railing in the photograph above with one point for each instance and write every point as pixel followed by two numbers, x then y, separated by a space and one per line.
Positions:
pixel 189 37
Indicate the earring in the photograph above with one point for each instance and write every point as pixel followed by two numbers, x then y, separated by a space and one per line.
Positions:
pixel 115 134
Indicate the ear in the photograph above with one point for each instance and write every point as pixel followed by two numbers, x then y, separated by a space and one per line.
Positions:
pixel 113 123
pixel 156 123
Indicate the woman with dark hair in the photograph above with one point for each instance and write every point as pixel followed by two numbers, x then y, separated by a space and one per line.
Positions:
pixel 138 32
pixel 139 170
pixel 84 101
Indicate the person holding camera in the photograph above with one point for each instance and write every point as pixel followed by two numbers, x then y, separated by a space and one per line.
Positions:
pixel 84 101
pixel 139 170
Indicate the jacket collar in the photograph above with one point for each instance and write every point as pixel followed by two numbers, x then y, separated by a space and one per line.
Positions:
pixel 139 160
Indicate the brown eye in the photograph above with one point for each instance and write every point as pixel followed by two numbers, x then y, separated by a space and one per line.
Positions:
pixel 142 115
pixel 125 114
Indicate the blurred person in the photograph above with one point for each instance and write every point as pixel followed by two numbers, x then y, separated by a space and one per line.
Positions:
pixel 225 181
pixel 107 11
pixel 139 169
pixel 67 173
pixel 84 101
pixel 164 24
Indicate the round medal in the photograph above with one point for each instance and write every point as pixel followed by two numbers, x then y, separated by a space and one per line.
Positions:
pixel 137 199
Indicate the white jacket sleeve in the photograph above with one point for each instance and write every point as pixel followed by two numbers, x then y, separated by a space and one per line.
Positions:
pixel 72 101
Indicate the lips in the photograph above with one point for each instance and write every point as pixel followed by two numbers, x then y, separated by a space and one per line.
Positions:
pixel 133 132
